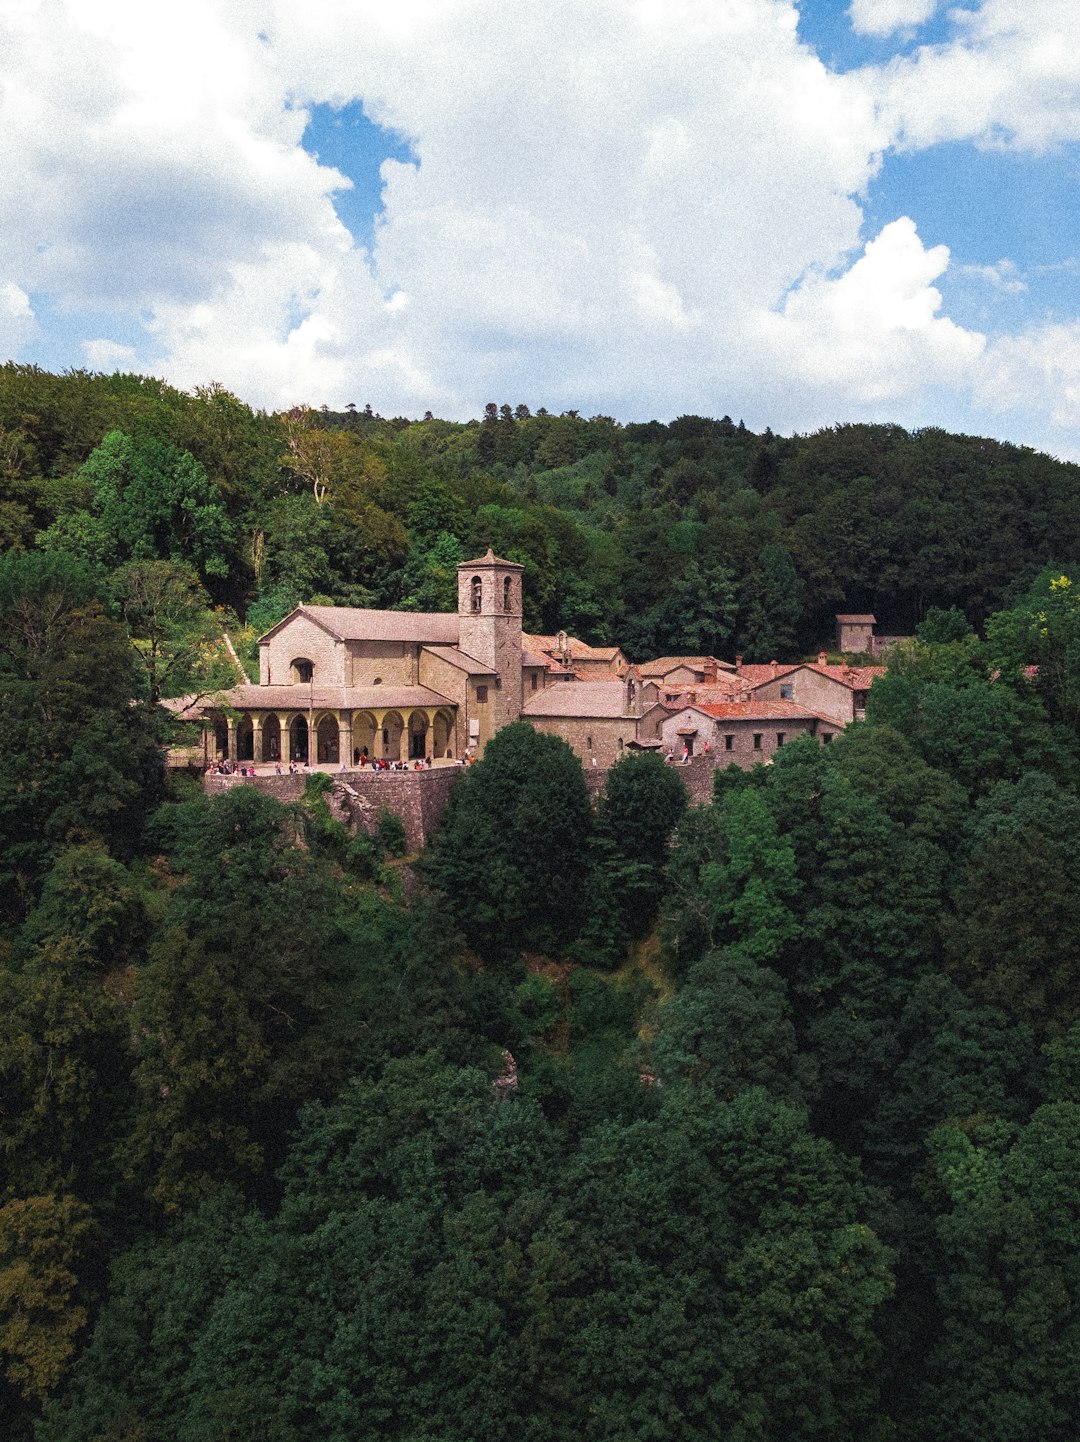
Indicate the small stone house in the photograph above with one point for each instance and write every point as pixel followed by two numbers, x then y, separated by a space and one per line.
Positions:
pixel 741 733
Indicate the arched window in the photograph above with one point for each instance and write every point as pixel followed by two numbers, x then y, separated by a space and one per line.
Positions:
pixel 477 587
pixel 506 594
pixel 302 669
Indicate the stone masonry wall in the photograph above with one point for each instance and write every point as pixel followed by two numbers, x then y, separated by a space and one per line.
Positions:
pixel 418 797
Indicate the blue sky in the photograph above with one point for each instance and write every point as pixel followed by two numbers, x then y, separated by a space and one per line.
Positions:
pixel 796 214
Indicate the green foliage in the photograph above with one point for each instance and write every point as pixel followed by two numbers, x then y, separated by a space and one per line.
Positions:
pixel 43 1242
pixel 78 756
pixel 511 855
pixel 390 833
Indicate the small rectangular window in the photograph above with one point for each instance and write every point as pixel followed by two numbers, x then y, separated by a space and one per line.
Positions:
pixel 533 679
pixel 787 692
pixel 826 738
pixel 780 738
pixel 729 743
pixel 481 694
pixel 588 743
pixel 757 740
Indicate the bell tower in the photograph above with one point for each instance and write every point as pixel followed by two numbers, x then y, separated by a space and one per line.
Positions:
pixel 489 612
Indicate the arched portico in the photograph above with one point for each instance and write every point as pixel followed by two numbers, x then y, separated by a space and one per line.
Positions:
pixel 442 734
pixel 298 739
pixel 418 735
pixel 391 733
pixel 245 739
pixel 271 738
pixel 364 732
pixel 327 734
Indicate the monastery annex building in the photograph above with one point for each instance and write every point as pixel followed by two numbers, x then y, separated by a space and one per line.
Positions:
pixel 340 687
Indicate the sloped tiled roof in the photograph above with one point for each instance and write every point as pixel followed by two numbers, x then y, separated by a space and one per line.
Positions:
pixel 663 664
pixel 856 678
pixel 327 698
pixel 352 623
pixel 454 656
pixel 597 699
pixel 754 710
pixel 490 559
pixel 577 650
pixel 870 620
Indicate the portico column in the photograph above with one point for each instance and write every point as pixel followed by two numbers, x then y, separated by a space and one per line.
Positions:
pixel 345 741
pixel 256 738
pixel 283 735
pixel 429 740
pixel 230 725
pixel 376 740
pixel 403 742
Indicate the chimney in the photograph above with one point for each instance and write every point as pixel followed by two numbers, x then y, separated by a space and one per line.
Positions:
pixel 738 664
pixel 775 666
pixel 709 676
pixel 822 657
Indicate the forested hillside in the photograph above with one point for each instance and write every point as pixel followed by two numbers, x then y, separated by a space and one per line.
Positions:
pixel 695 537
pixel 756 1120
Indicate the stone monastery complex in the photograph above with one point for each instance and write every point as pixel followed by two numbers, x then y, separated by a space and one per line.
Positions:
pixel 341 687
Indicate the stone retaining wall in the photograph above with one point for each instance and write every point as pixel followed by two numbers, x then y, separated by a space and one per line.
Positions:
pixel 418 797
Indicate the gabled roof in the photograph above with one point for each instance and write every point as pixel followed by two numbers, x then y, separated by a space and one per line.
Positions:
pixel 577 650
pixel 855 678
pixel 866 620
pixel 754 710
pixel 454 656
pixel 587 699
pixel 662 665
pixel 354 623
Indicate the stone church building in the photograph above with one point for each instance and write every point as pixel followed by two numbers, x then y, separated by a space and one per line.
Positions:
pixel 337 684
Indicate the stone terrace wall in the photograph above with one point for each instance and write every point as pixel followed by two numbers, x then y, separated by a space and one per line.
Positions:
pixel 418 797
pixel 696 776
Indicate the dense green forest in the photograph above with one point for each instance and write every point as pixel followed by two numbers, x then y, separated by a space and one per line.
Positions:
pixel 756 1120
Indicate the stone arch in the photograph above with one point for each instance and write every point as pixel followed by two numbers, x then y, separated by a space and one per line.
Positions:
pixel 301 670
pixel 298 738
pixel 443 737
pixel 326 736
pixel 245 739
pixel 389 741
pixel 508 593
pixel 271 739
pixel 418 735
pixel 364 732
pixel 476 594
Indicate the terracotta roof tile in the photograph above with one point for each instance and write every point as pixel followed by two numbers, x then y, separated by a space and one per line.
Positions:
pixel 352 623
pixel 598 699
pixel 326 698
pixel 454 656
pixel 663 664
pixel 857 678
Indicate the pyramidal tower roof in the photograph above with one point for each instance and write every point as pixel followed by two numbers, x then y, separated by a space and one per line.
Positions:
pixel 490 559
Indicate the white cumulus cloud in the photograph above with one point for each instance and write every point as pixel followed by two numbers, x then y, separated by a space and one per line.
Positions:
pixel 883 17
pixel 638 206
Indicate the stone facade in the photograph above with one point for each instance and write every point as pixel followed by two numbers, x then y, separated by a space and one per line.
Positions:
pixel 740 734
